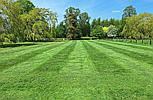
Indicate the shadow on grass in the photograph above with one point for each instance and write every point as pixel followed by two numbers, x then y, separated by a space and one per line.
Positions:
pixel 16 45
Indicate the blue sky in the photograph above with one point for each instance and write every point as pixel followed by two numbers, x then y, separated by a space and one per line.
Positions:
pixel 96 8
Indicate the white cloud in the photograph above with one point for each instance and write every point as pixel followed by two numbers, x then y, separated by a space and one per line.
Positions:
pixel 116 11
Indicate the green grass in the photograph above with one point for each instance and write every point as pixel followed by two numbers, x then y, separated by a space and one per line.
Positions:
pixel 77 70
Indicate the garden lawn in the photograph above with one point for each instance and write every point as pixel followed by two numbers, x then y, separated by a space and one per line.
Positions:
pixel 77 70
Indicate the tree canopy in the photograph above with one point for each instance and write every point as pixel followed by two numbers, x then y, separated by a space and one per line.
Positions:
pixel 20 20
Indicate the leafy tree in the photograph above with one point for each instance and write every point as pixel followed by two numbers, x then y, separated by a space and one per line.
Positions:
pixel 71 19
pixel 96 22
pixel 51 18
pixel 112 31
pixel 11 11
pixel 84 24
pixel 129 12
pixel 61 30
pixel 139 26
pixel 105 29
pixel 26 5
pixel 1 25
pixel 98 32
pixel 39 27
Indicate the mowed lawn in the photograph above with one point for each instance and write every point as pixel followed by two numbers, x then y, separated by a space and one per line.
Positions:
pixel 77 70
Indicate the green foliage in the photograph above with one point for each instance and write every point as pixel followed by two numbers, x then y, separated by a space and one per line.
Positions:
pixel 26 5
pixel 22 19
pixel 129 12
pixel 84 24
pixel 71 19
pixel 105 29
pixel 39 27
pixel 7 38
pixel 98 32
pixel 29 23
pixel 61 30
pixel 112 31
pixel 139 26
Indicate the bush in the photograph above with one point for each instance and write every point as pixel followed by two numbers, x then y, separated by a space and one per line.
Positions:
pixel 7 38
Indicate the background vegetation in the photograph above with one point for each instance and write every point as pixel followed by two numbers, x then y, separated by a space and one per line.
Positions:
pixel 20 21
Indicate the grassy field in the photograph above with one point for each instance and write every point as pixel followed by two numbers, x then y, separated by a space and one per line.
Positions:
pixel 77 70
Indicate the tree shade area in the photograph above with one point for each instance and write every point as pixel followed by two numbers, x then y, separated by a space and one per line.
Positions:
pixel 22 21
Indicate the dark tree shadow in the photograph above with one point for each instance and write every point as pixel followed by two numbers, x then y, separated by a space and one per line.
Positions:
pixel 16 45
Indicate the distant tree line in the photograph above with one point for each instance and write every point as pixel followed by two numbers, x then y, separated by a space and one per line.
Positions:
pixel 131 26
pixel 20 20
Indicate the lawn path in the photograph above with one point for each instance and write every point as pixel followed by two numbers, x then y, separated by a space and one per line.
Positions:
pixel 10 60
pixel 130 76
pixel 79 79
pixel 137 54
pixel 34 61
pixel 146 50
pixel 134 45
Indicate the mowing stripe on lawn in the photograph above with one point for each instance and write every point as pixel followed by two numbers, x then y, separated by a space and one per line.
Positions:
pixel 8 55
pixel 78 80
pixel 75 80
pixel 41 72
pixel 17 49
pixel 79 70
pixel 58 60
pixel 139 46
pixel 114 54
pixel 21 77
pixel 35 61
pixel 143 57
pixel 128 79
pixel 135 49
pixel 25 56
pixel 134 46
pixel 97 55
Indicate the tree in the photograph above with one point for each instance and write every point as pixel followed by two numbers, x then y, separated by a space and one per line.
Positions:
pixel 39 27
pixel 1 25
pixel 61 30
pixel 112 31
pixel 98 32
pixel 96 22
pixel 129 12
pixel 84 24
pixel 139 26
pixel 71 19
pixel 11 11
pixel 26 5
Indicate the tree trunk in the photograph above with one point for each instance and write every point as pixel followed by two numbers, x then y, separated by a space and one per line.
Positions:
pixel 150 41
pixel 136 41
pixel 142 41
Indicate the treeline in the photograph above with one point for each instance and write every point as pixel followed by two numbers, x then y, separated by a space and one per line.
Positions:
pixel 20 20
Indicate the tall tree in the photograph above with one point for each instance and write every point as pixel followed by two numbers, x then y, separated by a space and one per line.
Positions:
pixel 26 5
pixel 84 24
pixel 139 26
pixel 61 30
pixel 71 19
pixel 11 10
pixel 129 12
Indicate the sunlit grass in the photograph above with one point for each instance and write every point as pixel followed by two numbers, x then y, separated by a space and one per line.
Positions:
pixel 77 70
